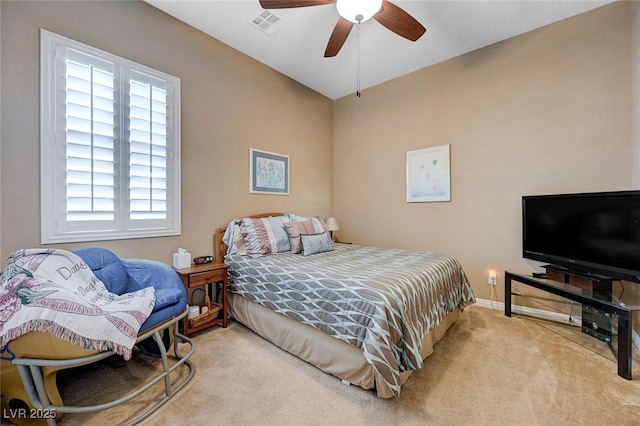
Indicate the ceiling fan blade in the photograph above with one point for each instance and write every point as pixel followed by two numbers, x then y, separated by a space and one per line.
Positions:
pixel 286 4
pixel 399 21
pixel 338 37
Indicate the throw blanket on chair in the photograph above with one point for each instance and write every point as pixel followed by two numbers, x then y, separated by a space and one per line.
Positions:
pixel 54 291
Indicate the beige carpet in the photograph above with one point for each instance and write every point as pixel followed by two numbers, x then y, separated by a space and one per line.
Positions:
pixel 488 370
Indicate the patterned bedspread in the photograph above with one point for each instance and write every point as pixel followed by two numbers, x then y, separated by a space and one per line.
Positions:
pixel 383 301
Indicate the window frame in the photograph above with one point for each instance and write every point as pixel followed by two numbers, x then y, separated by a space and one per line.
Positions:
pixel 53 146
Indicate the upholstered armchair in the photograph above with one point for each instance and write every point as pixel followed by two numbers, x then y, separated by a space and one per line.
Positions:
pixel 31 361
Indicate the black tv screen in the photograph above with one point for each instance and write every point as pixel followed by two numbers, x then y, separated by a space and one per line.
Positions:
pixel 596 233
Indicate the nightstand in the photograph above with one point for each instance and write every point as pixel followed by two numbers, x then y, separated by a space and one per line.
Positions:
pixel 203 275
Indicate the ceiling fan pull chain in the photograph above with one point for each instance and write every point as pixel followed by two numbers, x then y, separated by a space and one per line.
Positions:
pixel 358 94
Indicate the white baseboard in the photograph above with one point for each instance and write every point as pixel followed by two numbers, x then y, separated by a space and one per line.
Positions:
pixel 546 315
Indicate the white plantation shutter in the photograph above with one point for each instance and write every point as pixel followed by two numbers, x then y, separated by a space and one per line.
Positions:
pixel 90 139
pixel 110 145
pixel 148 148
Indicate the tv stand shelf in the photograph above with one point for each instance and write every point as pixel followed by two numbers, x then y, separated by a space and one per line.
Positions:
pixel 576 293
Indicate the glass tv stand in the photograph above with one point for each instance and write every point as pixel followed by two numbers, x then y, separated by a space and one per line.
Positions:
pixel 578 292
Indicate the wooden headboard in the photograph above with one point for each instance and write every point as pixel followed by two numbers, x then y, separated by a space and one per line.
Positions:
pixel 220 247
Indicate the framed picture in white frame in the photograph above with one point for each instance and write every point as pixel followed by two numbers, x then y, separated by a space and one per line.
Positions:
pixel 428 175
pixel 268 173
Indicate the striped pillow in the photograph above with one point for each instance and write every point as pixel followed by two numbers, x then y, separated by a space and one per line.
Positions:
pixel 264 236
pixel 295 230
pixel 318 222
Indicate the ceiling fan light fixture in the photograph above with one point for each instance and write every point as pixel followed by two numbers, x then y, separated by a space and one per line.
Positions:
pixel 358 11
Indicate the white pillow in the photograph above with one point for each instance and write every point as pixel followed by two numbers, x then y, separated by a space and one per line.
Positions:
pixel 231 236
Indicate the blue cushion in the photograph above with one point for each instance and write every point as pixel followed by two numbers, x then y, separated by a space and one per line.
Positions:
pixel 157 317
pixel 127 275
pixel 107 267
pixel 171 297
pixel 145 273
pixel 167 297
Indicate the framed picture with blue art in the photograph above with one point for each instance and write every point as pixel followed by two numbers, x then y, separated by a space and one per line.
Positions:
pixel 268 173
pixel 428 175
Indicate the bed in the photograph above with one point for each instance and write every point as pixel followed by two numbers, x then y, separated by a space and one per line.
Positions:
pixel 366 315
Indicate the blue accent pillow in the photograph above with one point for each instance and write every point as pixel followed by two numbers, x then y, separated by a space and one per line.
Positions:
pixel 316 243
pixel 107 267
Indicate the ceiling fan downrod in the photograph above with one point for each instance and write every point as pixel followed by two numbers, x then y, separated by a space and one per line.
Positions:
pixel 358 94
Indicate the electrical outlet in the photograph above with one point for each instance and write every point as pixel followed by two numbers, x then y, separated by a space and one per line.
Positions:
pixel 492 278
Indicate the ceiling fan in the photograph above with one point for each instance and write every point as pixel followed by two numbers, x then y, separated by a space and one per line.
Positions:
pixel 355 12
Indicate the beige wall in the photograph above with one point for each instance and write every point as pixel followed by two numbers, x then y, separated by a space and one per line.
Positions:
pixel 545 112
pixel 229 104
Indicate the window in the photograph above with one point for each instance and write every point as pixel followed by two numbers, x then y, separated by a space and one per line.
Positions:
pixel 109 146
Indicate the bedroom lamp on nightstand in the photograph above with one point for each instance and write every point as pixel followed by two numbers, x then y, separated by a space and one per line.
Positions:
pixel 332 225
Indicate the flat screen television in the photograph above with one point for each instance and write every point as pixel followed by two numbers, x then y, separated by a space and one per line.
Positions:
pixel 589 233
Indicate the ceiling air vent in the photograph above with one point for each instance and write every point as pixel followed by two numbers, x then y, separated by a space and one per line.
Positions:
pixel 269 23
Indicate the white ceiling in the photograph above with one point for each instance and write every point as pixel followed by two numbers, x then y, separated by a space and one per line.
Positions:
pixel 453 28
